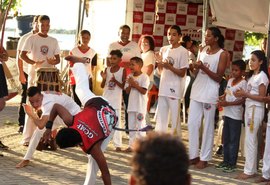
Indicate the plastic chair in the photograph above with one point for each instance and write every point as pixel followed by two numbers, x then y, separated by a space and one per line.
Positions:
pixel 152 93
pixel 182 101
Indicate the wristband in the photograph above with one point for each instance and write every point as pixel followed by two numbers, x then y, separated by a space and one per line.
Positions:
pixel 49 124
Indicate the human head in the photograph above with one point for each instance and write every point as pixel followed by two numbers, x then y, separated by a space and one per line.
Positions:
pixel 194 47
pixel 124 33
pixel 238 68
pixel 116 57
pixel 44 24
pixel 264 44
pixel 159 159
pixel 258 60
pixel 146 43
pixel 213 36
pixel 68 137
pixel 136 64
pixel 186 42
pixel 85 37
pixel 174 35
pixel 35 24
pixel 35 97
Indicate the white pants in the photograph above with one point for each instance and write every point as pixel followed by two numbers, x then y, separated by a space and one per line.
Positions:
pixel 198 110
pixel 135 121
pixel 165 107
pixel 82 83
pixel 266 155
pixel 92 166
pixel 117 138
pixel 37 135
pixel 251 140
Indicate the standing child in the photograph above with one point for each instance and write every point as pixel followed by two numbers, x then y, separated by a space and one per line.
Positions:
pixel 233 113
pixel 137 85
pixel 83 50
pixel 113 81
pixel 254 110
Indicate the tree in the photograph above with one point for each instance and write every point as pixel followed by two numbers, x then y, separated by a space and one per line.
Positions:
pixel 3 7
pixel 253 39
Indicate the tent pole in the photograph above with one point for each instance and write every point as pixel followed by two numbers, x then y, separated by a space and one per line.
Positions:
pixel 205 18
pixel 79 22
pixel 268 38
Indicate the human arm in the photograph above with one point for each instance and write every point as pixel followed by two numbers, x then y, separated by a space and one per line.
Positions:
pixel 99 157
pixel 3 55
pixel 225 103
pixel 39 122
pixel 119 84
pixel 22 77
pixel 257 97
pixel 104 76
pixel 133 84
pixel 54 60
pixel 179 72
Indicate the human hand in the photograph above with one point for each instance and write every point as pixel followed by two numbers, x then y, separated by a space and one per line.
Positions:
pixel 46 138
pixel 131 81
pixel 198 64
pixel 28 109
pixel 22 78
pixel 266 99
pixel 3 54
pixel 103 75
pixel 158 57
pixel 240 93
pixel 51 61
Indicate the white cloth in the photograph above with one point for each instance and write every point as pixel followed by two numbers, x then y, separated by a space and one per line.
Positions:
pixel 137 102
pixel 148 59
pixel 135 121
pixel 253 87
pixel 112 92
pixel 205 89
pixel 89 54
pixel 197 111
pixel 129 50
pixel 117 138
pixel 41 48
pixel 266 155
pixel 235 111
pixel 172 85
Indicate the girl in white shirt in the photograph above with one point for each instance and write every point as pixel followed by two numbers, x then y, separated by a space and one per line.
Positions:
pixel 254 111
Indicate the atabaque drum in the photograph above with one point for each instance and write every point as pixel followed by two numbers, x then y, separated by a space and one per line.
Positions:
pixel 48 79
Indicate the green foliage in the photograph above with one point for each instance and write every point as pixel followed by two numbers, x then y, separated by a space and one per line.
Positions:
pixel 14 6
pixel 253 39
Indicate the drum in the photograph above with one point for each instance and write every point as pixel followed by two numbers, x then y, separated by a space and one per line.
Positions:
pixel 48 79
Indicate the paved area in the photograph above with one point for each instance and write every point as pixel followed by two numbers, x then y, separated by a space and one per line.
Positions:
pixel 69 166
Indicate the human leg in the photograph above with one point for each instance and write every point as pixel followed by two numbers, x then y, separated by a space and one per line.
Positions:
pixel 266 155
pixel 117 138
pixel 132 125
pixel 21 118
pixel 162 114
pixel 28 130
pixel 226 140
pixel 174 106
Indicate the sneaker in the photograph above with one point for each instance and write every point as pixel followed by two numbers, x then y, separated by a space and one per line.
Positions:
pixel 221 166
pixel 219 151
pixel 229 169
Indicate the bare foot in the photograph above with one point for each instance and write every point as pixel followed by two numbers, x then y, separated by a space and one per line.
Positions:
pixel 23 163
pixel 261 179
pixel 128 150
pixel 201 164
pixel 243 176
pixel 194 161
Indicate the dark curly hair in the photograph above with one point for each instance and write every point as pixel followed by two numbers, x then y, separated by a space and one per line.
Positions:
pixel 160 159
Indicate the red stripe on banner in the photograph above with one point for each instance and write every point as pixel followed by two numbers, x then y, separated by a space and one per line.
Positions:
pixel 161 18
pixel 158 41
pixel 166 27
pixel 136 37
pixel 181 20
pixel 192 9
pixel 199 21
pixel 147 29
pixel 149 6
pixel 171 7
pixel 138 17
pixel 238 46
pixel 230 34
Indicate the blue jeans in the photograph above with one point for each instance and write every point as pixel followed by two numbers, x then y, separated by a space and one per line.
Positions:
pixel 231 139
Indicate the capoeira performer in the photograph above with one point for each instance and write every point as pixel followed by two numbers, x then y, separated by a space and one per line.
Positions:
pixel 91 129
pixel 44 101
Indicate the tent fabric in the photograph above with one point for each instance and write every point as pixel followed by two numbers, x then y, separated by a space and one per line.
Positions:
pixel 248 15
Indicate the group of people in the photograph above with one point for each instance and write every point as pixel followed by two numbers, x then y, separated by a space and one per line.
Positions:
pixel 128 77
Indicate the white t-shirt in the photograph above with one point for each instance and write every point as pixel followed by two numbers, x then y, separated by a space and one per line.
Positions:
pixel 41 48
pixel 89 54
pixel 172 85
pixel 20 47
pixel 253 88
pixel 112 92
pixel 205 89
pixel 51 98
pixel 235 111
pixel 129 50
pixel 148 59
pixel 137 102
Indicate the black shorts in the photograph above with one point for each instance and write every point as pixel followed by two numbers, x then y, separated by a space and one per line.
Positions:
pixel 3 83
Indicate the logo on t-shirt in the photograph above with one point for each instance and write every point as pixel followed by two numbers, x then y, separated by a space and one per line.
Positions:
pixel 44 50
pixel 170 60
pixel 107 119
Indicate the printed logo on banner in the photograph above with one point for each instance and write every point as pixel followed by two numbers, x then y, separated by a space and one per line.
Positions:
pixel 200 10
pixel 229 45
pixel 158 41
pixel 181 20
pixel 147 29
pixel 238 55
pixel 199 21
pixel 239 35
pixel 138 5
pixel 182 9
pixel 138 17
pixel 162 7
pixel 230 34
pixel 191 21
pixel 136 37
pixel 148 17
pixel 161 18
pixel 192 9
pixel 171 7
pixel 149 6
pixel 137 28
pixel 238 45
pixel 166 29
pixel 159 28
pixel 170 19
